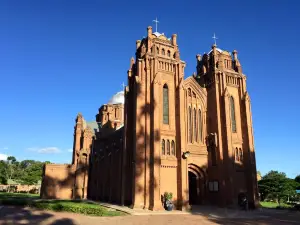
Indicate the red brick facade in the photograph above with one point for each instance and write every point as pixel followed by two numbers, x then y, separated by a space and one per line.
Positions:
pixel 192 137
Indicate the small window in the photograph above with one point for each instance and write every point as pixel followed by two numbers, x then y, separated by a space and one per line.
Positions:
pixel 241 155
pixel 163 52
pixel 236 154
pixel 163 147
pixel 157 50
pixel 169 53
pixel 168 147
pixel 173 148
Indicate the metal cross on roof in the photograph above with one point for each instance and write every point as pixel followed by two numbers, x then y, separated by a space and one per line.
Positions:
pixel 156 22
pixel 123 85
pixel 215 38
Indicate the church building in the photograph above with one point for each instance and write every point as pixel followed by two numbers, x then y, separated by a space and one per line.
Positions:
pixel 164 133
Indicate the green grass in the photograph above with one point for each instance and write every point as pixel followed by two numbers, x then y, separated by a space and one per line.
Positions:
pixel 273 205
pixel 5 195
pixel 82 207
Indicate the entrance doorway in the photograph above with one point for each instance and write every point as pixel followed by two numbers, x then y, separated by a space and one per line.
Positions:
pixel 193 189
pixel 197 188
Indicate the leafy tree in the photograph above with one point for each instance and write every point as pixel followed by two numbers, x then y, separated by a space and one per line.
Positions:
pixel 3 172
pixel 297 179
pixel 275 185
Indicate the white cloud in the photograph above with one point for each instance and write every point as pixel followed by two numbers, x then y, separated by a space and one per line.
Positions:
pixel 3 156
pixel 70 150
pixel 5 148
pixel 46 150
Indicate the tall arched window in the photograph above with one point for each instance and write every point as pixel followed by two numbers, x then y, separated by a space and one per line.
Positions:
pixel 168 147
pixel 195 125
pixel 163 52
pixel 236 154
pixel 157 50
pixel 190 125
pixel 241 155
pixel 232 111
pixel 163 152
pixel 173 148
pixel 200 125
pixel 165 104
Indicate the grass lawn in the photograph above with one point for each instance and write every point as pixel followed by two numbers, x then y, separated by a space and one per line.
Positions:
pixel 76 206
pixel 273 205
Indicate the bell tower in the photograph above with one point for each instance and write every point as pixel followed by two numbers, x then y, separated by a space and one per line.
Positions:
pixel 152 106
pixel 229 117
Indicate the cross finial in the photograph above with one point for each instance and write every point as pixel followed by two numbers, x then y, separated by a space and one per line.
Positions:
pixel 123 85
pixel 156 22
pixel 215 38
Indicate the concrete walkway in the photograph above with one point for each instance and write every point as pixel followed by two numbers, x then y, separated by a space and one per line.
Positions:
pixel 207 211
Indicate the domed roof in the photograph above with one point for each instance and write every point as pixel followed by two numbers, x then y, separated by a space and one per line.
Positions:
pixel 118 98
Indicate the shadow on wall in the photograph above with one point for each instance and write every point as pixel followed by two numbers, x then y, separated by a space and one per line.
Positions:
pixel 16 215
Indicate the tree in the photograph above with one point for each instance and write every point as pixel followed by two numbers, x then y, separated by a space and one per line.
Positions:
pixel 297 179
pixel 275 185
pixel 3 172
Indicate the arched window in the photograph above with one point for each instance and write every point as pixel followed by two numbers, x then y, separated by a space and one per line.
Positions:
pixel 163 152
pixel 200 125
pixel 157 50
pixel 169 53
pixel 232 111
pixel 115 113
pixel 173 148
pixel 190 125
pixel 168 147
pixel 151 49
pixel 165 104
pixel 195 125
pixel 241 155
pixel 236 154
pixel 163 52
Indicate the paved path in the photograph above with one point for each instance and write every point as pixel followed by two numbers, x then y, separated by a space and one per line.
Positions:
pixel 16 215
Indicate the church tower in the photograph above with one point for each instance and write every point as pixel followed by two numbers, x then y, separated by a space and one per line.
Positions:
pixel 229 122
pixel 152 119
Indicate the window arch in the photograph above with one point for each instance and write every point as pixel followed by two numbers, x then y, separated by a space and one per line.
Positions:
pixel 165 104
pixel 241 155
pixel 232 111
pixel 173 148
pixel 200 125
pixel 157 50
pixel 195 125
pixel 236 154
pixel 168 147
pixel 163 52
pixel 163 152
pixel 169 53
pixel 190 125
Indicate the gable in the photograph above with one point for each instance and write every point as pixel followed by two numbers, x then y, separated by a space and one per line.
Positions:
pixel 196 90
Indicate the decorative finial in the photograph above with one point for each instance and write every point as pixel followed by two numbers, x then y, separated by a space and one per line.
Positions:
pixel 123 85
pixel 156 22
pixel 215 38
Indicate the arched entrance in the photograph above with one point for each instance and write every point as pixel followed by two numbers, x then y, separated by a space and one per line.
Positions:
pixel 196 184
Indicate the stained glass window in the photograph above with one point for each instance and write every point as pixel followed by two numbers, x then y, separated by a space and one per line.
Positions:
pixel 200 125
pixel 232 109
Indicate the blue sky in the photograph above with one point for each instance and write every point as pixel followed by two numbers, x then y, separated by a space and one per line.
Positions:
pixel 59 57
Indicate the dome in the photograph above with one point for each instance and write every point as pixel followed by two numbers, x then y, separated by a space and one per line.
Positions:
pixel 117 98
